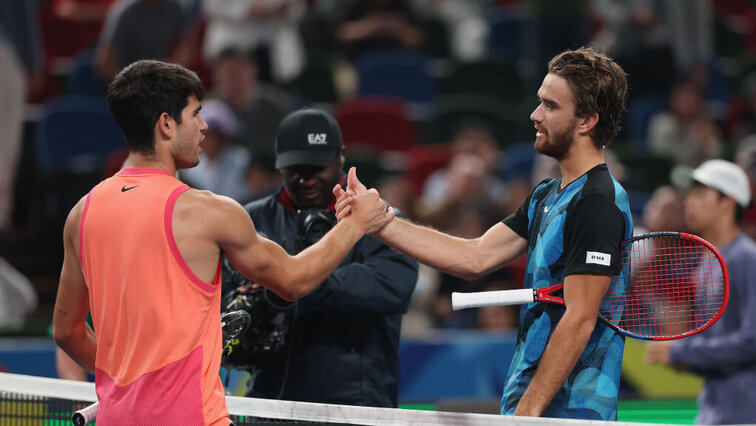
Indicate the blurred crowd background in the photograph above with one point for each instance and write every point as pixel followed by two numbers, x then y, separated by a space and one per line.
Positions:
pixel 433 98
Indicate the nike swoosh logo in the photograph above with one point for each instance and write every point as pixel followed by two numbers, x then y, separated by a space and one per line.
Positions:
pixel 124 189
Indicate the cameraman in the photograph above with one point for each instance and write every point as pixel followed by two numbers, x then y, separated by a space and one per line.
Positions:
pixel 340 342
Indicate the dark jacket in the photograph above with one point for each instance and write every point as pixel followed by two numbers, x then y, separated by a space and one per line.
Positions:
pixel 343 338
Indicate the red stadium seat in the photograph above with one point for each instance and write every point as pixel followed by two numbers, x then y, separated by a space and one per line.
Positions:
pixel 379 124
pixel 423 160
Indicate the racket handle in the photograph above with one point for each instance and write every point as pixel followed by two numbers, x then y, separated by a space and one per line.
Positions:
pixel 85 416
pixel 492 298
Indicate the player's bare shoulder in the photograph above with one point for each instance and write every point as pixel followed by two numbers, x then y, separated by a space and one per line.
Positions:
pixel 74 218
pixel 204 210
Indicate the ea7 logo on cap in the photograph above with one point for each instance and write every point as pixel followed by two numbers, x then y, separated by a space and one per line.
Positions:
pixel 598 258
pixel 317 138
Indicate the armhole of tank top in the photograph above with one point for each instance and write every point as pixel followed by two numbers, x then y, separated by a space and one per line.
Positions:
pixel 168 222
pixel 81 230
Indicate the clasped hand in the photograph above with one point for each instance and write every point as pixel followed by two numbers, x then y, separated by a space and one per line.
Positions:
pixel 362 204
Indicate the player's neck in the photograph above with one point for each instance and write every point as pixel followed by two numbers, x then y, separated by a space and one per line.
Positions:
pixel 141 161
pixel 579 159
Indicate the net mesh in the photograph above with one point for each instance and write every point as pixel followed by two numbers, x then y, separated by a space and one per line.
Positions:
pixel 670 286
pixel 28 400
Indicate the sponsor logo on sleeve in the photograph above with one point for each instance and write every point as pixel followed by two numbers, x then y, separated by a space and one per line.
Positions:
pixel 598 258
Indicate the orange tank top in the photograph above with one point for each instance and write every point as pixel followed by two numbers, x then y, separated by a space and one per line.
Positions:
pixel 157 324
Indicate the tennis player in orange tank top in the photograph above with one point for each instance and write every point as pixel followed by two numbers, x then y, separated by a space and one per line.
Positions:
pixel 142 252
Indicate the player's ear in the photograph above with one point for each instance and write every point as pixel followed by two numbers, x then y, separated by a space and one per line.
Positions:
pixel 165 126
pixel 586 123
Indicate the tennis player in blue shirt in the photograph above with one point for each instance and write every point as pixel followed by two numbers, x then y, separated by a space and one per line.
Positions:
pixel 566 363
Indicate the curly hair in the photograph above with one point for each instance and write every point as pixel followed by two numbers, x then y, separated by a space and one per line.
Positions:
pixel 599 85
pixel 144 90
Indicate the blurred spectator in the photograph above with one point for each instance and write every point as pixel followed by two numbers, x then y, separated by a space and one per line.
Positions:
pixel 17 297
pixel 466 24
pixel 724 353
pixel 378 24
pixel 258 106
pixel 554 26
pixel 263 178
pixel 397 191
pixel 684 132
pixel 268 25
pixel 471 173
pixel 746 122
pixel 663 212
pixel 79 22
pixel 745 157
pixel 673 35
pixel 471 219
pixel 20 63
pixel 144 29
pixel 222 167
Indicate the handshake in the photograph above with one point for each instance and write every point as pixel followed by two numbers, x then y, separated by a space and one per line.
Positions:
pixel 361 205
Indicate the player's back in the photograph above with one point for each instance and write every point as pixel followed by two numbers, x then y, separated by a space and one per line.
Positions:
pixel 157 324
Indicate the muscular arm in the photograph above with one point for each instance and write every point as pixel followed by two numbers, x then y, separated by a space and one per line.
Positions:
pixel 267 263
pixel 70 330
pixel 582 297
pixel 464 258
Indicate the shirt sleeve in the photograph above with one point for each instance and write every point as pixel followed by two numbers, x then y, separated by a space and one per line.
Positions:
pixel 379 281
pixel 518 221
pixel 593 234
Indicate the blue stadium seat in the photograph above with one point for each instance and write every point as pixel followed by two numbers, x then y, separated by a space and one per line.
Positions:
pixel 399 73
pixel 74 137
pixel 83 80
pixel 75 133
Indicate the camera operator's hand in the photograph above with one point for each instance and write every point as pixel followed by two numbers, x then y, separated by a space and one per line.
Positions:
pixel 246 288
pixel 362 204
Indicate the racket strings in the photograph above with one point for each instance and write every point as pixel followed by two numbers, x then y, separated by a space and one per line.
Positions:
pixel 669 286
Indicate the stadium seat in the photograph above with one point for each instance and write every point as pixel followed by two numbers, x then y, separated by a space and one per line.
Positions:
pixel 399 73
pixel 510 123
pixel 76 133
pixel 488 77
pixel 83 79
pixel 74 137
pixel 423 160
pixel 378 124
pixel 316 83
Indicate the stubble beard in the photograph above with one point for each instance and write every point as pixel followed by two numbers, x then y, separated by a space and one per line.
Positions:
pixel 557 145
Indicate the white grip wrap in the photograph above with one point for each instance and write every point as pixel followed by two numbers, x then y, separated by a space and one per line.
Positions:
pixel 492 298
pixel 85 416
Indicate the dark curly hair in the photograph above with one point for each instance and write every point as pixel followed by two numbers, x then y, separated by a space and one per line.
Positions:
pixel 598 85
pixel 144 90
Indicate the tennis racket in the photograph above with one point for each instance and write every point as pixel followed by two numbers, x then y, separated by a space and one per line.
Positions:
pixel 671 285
pixel 233 325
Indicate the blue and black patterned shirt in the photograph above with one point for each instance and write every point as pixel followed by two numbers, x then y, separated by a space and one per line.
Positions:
pixel 574 230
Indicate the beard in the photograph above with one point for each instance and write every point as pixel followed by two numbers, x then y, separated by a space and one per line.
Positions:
pixel 556 145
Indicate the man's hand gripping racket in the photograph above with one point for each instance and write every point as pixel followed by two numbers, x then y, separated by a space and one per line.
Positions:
pixel 671 285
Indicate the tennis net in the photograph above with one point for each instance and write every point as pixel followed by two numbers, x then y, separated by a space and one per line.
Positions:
pixel 28 400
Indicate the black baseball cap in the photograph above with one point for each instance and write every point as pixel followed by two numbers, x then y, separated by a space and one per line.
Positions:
pixel 307 136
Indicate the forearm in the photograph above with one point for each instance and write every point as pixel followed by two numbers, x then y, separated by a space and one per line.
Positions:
pixel 315 263
pixel 565 346
pixel 453 255
pixel 79 344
